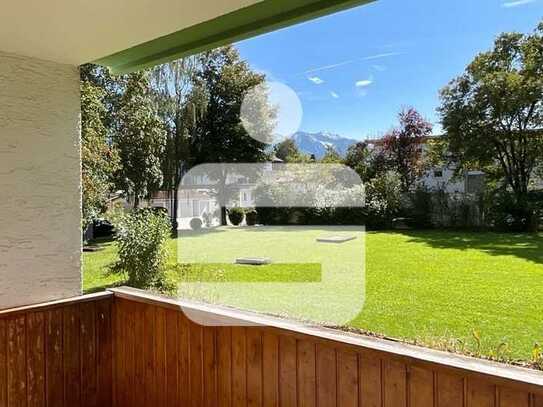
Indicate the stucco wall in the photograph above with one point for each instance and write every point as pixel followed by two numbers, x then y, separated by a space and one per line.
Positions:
pixel 40 241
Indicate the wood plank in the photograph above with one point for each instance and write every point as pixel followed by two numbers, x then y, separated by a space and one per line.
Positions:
pixel 17 385
pixel 254 367
pixel 239 367
pixel 481 393
pixel 140 363
pixel 513 398
pixel 538 400
pixel 370 373
pixel 210 366
pixel 307 380
pixel 172 356
pixel 196 334
pixel 450 390
pixel 421 387
pixel 326 376
pixel 224 376
pixel 160 355
pixel 35 351
pixel 104 354
pixel 120 353
pixel 53 358
pixel 347 371
pixel 270 365
pixel 183 367
pixel 89 382
pixel 3 363
pixel 72 357
pixel 397 350
pixel 395 384
pixel 287 371
pixel 148 350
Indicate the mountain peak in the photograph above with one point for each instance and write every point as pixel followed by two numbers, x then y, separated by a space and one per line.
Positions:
pixel 317 143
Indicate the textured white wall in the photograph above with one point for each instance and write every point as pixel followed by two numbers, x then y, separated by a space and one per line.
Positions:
pixel 40 240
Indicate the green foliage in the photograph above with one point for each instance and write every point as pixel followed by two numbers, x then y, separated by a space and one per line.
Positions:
pixel 172 86
pixel 383 199
pixel 358 158
pixel 421 207
pixel 99 160
pixel 288 151
pixel 503 213
pixel 142 237
pixel 402 147
pixel 236 215
pixel 221 83
pixel 140 139
pixel 251 217
pixel 493 113
pixel 331 156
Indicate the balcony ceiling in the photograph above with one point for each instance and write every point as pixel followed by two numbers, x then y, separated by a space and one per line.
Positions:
pixel 130 34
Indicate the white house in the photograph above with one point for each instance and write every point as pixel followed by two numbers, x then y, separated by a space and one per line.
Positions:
pixel 442 177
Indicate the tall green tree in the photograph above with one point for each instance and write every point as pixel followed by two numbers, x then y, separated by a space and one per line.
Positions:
pixel 402 147
pixel 331 156
pixel 218 136
pixel 287 150
pixel 493 113
pixel 357 157
pixel 140 139
pixel 99 159
pixel 172 82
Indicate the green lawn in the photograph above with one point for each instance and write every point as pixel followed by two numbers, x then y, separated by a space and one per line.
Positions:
pixel 432 287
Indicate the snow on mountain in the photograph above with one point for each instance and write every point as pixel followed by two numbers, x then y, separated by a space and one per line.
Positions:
pixel 316 143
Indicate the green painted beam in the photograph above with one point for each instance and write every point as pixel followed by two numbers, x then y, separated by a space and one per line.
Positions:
pixel 259 18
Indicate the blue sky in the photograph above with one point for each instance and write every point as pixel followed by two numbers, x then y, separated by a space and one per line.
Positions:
pixel 354 70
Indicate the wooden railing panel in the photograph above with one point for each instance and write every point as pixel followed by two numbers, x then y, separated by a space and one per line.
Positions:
pixel 57 354
pixel 270 366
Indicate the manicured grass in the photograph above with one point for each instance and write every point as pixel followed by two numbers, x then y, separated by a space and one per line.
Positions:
pixel 432 287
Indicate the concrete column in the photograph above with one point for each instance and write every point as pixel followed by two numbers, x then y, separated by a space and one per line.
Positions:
pixel 40 185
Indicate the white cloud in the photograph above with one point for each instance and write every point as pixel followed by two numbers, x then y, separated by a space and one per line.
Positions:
pixel 516 3
pixel 334 94
pixel 316 80
pixel 363 83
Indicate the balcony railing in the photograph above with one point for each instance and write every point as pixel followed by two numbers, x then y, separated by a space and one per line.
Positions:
pixel 130 348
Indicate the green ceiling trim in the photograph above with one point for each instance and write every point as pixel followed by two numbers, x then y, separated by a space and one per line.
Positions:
pixel 259 18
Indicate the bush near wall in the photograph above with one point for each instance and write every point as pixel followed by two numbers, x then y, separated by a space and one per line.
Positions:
pixel 142 237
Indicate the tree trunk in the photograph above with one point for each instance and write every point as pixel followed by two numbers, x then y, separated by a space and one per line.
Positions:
pixel 223 216
pixel 136 201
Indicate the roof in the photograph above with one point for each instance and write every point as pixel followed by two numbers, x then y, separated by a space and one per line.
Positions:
pixel 128 35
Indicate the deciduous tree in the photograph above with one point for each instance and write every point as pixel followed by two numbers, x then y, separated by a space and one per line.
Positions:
pixel 402 146
pixel 493 113
pixel 218 136
pixel 140 139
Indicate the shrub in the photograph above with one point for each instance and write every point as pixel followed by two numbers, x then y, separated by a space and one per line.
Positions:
pixel 420 207
pixel 383 200
pixel 505 214
pixel 196 224
pixel 142 241
pixel 250 217
pixel 236 216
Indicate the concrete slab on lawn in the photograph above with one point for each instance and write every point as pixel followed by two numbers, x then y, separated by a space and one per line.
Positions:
pixel 335 239
pixel 255 261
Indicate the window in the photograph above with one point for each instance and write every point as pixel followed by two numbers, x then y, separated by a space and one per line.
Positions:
pixel 438 173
